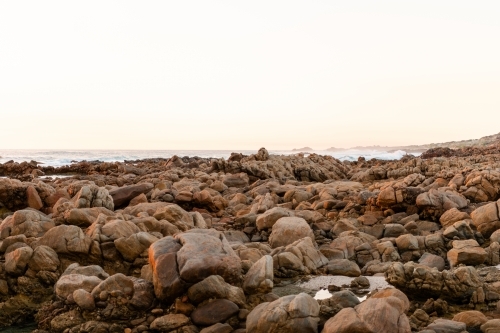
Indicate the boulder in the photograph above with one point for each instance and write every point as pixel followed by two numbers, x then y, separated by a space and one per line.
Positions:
pixel 467 252
pixel 259 278
pixel 169 322
pixel 84 217
pixel 216 311
pixel 218 328
pixel 26 222
pixel 163 260
pixel 344 299
pixel 486 218
pixel 115 229
pixel 491 326
pixel 348 241
pixel 33 198
pixel 122 195
pixel 451 216
pixel 44 259
pixel 289 229
pixel 301 255
pixel 437 201
pixel 214 286
pixel 343 267
pixel 67 284
pixel 472 319
pixel 116 282
pixel 93 196
pixel 84 299
pixel 293 313
pixel 432 260
pixel 133 246
pixel 457 284
pixel 16 261
pixel 66 239
pixel 267 219
pixel 147 207
pixel 447 326
pixel 376 314
pixel 206 252
pixel 175 215
pixel 236 180
pixel 91 270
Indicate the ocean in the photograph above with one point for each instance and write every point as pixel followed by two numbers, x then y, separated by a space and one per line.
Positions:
pixel 65 157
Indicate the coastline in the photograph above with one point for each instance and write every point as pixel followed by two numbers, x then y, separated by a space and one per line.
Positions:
pixel 98 246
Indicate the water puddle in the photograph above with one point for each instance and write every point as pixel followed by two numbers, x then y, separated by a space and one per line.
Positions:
pixel 320 285
pixel 55 176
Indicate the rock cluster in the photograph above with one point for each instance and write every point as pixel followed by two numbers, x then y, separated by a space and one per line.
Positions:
pixel 203 245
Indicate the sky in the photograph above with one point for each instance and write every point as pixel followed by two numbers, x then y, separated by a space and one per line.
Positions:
pixel 247 74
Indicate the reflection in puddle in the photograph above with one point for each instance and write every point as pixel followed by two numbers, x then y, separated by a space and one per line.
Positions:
pixel 322 294
pixel 321 283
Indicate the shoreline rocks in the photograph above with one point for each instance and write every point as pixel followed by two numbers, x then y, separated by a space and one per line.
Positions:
pixel 199 245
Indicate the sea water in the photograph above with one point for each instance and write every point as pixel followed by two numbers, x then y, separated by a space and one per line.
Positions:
pixel 65 157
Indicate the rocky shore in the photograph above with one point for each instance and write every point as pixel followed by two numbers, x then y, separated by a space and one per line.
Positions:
pixel 189 244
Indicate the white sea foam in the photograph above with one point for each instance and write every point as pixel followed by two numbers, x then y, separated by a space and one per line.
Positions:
pixel 65 157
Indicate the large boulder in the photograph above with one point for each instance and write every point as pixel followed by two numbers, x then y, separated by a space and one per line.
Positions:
pixel 377 314
pixel 472 319
pixel 348 241
pixel 236 180
pixel 30 223
pixel 267 219
pixel 206 252
pixel 84 217
pixel 294 313
pixel 300 256
pixel 122 195
pixel 259 278
pixel 467 252
pixel 451 216
pixel 457 284
pixel 44 259
pixel 441 325
pixel 289 229
pixel 163 260
pixel 190 258
pixel 93 196
pixel 116 282
pixel 437 201
pixel 16 261
pixel 175 215
pixel 343 267
pixel 487 218
pixel 131 247
pixel 66 239
pixel 169 322
pixel 214 286
pixel 216 311
pixel 67 284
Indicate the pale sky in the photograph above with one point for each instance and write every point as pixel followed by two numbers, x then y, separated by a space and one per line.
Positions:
pixel 247 74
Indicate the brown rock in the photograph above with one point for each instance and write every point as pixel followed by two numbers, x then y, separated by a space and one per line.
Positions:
pixel 467 252
pixel 288 230
pixel 169 322
pixel 451 216
pixel 214 312
pixel 84 299
pixel 163 261
pixel 122 195
pixel 33 198
pixel 141 198
pixel 471 318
